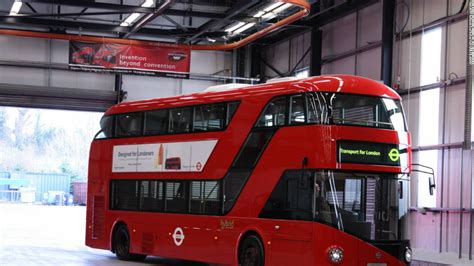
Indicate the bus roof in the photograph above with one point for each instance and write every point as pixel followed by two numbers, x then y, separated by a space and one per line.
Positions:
pixel 328 83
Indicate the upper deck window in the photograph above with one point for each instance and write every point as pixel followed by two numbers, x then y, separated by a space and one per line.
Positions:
pixel 129 125
pixel 274 114
pixel 156 122
pixel 209 117
pixel 360 110
pixel 180 120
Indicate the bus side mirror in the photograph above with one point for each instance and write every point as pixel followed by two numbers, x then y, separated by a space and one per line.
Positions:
pixel 431 185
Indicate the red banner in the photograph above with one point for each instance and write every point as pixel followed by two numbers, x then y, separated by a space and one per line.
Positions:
pixel 166 61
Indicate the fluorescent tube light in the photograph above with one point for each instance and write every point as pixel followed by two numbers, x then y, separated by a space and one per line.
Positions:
pixel 282 8
pixel 244 28
pixel 16 8
pixel 130 19
pixel 148 3
pixel 259 14
pixel 235 26
pixel 272 6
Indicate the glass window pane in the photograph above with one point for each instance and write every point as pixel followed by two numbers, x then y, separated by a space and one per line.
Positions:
pixel 180 120
pixel 151 196
pixel 156 122
pixel 209 117
pixel 274 114
pixel 124 195
pixel 297 110
pixel 231 108
pixel 176 196
pixel 205 197
pixel 106 125
pixel 129 125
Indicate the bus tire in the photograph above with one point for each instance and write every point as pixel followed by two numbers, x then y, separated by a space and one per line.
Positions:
pixel 121 244
pixel 251 252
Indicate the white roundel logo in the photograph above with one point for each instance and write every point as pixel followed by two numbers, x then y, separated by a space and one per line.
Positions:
pixel 178 236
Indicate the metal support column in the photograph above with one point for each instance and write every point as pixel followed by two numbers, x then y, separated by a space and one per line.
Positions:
pixel 316 61
pixel 388 21
pixel 118 88
pixel 257 69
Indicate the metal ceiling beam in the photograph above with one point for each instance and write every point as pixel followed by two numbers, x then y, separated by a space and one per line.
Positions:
pixel 126 8
pixel 236 9
pixel 149 17
pixel 68 24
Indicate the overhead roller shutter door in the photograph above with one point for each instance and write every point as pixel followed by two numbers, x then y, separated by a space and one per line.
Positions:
pixel 56 98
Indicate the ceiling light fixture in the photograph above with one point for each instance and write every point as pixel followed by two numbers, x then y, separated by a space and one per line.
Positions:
pixel 16 8
pixel 130 19
pixel 244 28
pixel 235 26
pixel 272 10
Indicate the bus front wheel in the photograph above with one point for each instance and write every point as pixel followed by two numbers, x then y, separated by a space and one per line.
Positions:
pixel 251 252
pixel 121 243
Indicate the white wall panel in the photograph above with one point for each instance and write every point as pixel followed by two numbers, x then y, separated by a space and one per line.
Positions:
pixel 339 36
pixel 210 62
pixel 457 48
pixel 409 58
pixel 143 87
pixel 191 86
pixel 425 11
pixel 279 57
pixel 23 49
pixel 370 24
pixel 454 127
pixel 343 66
pixel 368 64
pixel 14 75
pixel 82 80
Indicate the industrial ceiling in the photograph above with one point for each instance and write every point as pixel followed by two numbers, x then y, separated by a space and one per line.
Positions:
pixel 201 23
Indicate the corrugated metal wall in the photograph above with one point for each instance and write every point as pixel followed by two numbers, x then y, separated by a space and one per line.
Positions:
pixel 445 228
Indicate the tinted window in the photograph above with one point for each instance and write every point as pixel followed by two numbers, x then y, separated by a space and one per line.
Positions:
pixel 317 108
pixel 292 197
pixel 274 113
pixel 156 122
pixel 348 109
pixel 297 110
pixel 205 197
pixel 176 196
pixel 129 125
pixel 180 120
pixel 233 183
pixel 124 195
pixel 231 108
pixel 209 117
pixel 252 149
pixel 151 196
pixel 107 127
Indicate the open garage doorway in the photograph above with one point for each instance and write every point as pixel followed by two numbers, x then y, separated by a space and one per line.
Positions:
pixel 44 154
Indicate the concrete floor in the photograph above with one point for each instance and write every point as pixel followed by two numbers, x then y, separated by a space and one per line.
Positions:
pixel 53 235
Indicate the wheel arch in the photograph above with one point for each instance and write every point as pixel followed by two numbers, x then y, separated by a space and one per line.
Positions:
pixel 248 232
pixel 115 225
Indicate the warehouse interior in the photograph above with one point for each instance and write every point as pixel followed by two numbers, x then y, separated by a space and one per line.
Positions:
pixel 420 48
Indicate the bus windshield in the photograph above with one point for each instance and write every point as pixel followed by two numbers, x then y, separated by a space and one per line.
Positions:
pixel 368 206
pixel 362 110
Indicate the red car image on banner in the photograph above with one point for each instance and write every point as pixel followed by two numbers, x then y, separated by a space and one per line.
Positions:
pixel 166 61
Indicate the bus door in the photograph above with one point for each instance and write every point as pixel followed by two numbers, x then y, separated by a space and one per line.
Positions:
pixel 290 214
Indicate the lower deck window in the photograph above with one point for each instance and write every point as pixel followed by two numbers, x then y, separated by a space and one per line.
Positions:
pixel 197 197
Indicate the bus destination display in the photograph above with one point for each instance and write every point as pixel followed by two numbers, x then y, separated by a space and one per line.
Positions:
pixel 368 153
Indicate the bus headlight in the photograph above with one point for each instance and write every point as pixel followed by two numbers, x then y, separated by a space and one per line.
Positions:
pixel 408 254
pixel 335 254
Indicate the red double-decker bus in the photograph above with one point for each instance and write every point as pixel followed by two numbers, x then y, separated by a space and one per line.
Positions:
pixel 306 172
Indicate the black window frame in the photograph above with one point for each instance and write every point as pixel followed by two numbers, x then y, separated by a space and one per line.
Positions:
pixel 227 120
